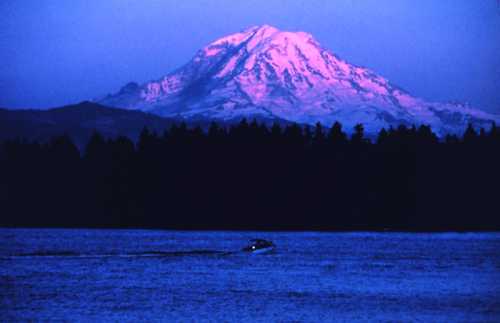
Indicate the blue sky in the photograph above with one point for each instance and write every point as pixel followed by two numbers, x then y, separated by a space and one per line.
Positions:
pixel 59 52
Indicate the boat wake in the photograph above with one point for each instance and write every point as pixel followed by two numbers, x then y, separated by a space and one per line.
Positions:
pixel 72 254
pixel 256 246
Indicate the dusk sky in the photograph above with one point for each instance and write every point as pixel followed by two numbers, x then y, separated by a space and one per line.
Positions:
pixel 60 52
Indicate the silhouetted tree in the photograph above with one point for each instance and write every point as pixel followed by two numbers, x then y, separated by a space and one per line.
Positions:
pixel 494 133
pixel 122 149
pixel 63 150
pixel 293 135
pixel 308 135
pixel 358 136
pixel 382 136
pixel 319 134
pixel 276 133
pixel 147 140
pixel 425 136
pixel 336 136
pixel 96 147
pixel 470 134
pixel 451 139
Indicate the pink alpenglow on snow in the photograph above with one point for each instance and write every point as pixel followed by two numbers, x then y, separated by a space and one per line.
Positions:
pixel 263 72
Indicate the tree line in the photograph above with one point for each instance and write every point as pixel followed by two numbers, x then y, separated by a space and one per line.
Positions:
pixel 254 176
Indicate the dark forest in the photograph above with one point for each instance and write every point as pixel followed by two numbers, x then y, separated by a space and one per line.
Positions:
pixel 251 176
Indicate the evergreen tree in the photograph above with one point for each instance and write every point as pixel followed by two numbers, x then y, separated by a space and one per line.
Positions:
pixel 403 134
pixel 214 132
pixel 358 136
pixel 63 152
pixel 482 134
pixel 254 126
pixel 426 136
pixel 263 131
pixel 308 135
pixel 319 134
pixel 451 139
pixel 293 135
pixel 470 134
pixel 336 136
pixel 494 133
pixel 197 133
pixel 96 147
pixel 382 137
pixel 243 126
pixel 145 140
pixel 276 133
pixel 122 149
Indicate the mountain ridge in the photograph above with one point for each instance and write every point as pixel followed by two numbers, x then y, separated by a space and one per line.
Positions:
pixel 79 121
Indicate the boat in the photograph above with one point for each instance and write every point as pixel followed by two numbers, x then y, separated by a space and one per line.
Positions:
pixel 259 246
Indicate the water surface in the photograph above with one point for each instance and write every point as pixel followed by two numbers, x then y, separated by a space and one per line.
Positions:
pixel 140 275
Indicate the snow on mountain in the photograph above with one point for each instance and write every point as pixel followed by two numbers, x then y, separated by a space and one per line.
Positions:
pixel 263 72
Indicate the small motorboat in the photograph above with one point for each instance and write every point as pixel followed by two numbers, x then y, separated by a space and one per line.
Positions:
pixel 259 246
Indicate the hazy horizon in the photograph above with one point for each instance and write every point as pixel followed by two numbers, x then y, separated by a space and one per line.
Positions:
pixel 57 53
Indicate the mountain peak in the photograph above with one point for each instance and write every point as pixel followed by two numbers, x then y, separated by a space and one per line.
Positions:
pixel 264 31
pixel 265 72
pixel 258 35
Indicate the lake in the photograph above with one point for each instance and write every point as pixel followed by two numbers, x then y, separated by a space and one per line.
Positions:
pixel 147 275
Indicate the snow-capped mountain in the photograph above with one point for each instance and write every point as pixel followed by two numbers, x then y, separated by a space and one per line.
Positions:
pixel 263 72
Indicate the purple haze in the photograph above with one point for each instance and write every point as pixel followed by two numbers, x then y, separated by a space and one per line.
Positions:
pixel 59 52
